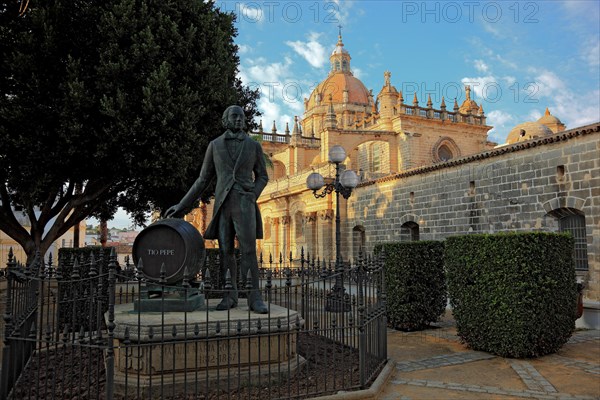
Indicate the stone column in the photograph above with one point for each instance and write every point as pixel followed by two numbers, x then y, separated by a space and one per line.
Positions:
pixel 286 233
pixel 310 233
pixel 326 235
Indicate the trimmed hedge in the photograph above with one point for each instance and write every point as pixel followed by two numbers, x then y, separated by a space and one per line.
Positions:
pixel 513 294
pixel 415 283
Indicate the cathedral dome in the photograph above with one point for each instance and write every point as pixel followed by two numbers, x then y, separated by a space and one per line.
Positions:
pixel 549 119
pixel 341 84
pixel 335 85
pixel 526 131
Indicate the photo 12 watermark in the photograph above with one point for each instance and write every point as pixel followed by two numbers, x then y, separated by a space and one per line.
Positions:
pixel 488 92
pixel 288 11
pixel 469 11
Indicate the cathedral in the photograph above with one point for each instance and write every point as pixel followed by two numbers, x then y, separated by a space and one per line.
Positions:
pixel 425 173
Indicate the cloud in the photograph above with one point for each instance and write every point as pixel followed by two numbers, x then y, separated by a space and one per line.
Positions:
pixel 481 85
pixel 574 109
pixel 534 115
pixel 510 80
pixel 265 74
pixel 591 52
pixel 481 66
pixel 358 73
pixel 251 12
pixel 582 9
pixel 499 117
pixel 339 11
pixel 549 84
pixel 502 122
pixel 272 111
pixel 244 49
pixel 494 29
pixel 281 93
pixel 312 51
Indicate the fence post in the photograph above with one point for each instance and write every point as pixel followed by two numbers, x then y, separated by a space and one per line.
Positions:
pixel 6 368
pixel 362 340
pixel 110 350
pixel 383 296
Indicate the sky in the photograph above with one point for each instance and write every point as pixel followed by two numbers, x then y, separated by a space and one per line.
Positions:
pixel 518 57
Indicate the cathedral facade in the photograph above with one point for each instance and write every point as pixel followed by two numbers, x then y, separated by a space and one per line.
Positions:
pixel 426 173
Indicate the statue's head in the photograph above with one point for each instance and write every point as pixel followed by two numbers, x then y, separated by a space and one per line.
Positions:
pixel 231 116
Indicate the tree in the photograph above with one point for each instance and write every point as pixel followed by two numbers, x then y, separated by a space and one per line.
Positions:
pixel 108 104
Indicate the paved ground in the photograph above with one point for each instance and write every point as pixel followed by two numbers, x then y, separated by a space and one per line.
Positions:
pixel 432 364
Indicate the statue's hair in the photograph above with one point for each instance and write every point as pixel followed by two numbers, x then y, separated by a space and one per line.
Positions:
pixel 225 118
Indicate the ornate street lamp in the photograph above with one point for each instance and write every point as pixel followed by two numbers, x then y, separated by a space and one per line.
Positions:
pixel 338 300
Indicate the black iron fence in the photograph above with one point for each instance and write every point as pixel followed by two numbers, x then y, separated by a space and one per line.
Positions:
pixel 81 336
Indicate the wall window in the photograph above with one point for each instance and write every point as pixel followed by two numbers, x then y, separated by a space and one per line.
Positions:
pixel 409 232
pixel 444 150
pixel 573 221
pixel 375 157
pixel 444 153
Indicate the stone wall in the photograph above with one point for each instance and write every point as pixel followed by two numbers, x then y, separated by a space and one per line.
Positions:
pixel 510 188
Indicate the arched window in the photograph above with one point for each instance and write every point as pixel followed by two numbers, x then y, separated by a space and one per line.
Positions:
pixel 344 65
pixel 444 153
pixel 337 65
pixel 573 221
pixel 444 149
pixel 409 232
pixel 375 157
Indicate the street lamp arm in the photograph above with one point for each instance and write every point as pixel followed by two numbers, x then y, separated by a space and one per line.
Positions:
pixel 327 189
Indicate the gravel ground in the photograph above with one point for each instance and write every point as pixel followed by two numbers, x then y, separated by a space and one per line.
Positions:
pixel 80 374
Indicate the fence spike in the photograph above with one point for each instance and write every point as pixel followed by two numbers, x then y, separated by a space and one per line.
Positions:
pixel 138 269
pixel 50 265
pixel 163 273
pixel 75 271
pixel 93 266
pixel 206 279
pixel 248 283
pixel 11 255
pixel 228 285
pixel 186 277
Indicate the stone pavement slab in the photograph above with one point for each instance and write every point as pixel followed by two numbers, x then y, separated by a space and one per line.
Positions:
pixel 433 365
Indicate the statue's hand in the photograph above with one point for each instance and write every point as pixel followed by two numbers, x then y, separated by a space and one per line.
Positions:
pixel 176 211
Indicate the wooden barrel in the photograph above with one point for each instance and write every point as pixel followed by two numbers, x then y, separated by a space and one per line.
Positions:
pixel 171 241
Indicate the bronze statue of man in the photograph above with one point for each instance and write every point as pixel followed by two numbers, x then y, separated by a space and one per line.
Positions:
pixel 238 164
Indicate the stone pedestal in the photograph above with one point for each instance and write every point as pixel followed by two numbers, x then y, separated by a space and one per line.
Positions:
pixel 203 349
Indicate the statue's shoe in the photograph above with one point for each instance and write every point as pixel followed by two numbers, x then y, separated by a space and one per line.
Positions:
pixel 226 304
pixel 259 307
